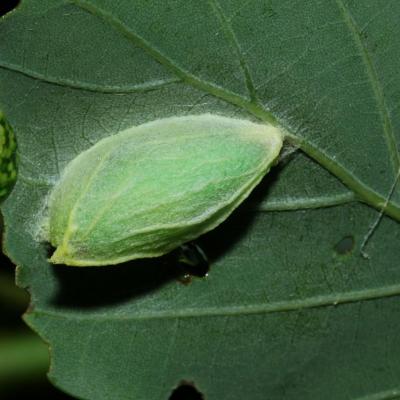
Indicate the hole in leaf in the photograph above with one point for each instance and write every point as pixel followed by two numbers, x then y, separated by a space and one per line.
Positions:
pixel 7 6
pixel 345 245
pixel 186 391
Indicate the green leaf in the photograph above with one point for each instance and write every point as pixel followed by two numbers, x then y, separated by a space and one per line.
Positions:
pixel 290 308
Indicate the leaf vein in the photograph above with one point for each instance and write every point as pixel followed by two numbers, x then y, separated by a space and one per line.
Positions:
pixel 300 203
pixel 231 36
pixel 90 87
pixel 376 85
pixel 326 300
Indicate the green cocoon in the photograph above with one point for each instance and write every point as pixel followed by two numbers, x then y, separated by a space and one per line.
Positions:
pixel 147 190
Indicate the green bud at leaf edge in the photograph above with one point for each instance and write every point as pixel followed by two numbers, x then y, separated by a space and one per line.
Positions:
pixel 145 191
pixel 8 159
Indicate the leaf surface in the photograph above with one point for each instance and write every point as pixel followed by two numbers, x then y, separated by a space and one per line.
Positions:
pixel 290 309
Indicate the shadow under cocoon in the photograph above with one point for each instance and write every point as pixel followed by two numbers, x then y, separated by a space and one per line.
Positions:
pixel 7 6
pixel 87 287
